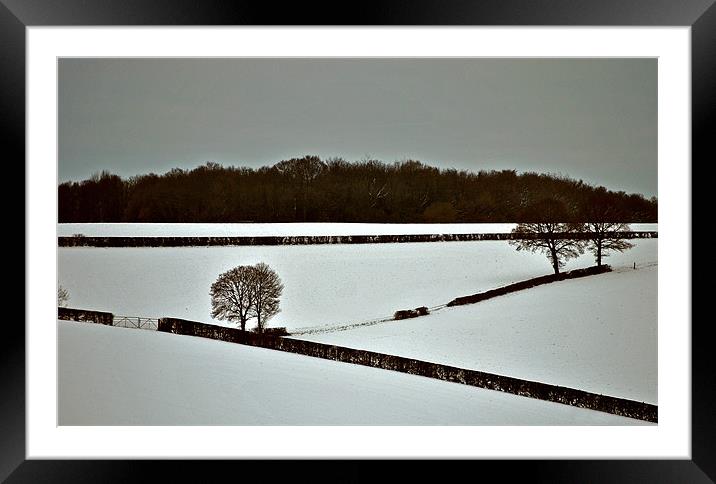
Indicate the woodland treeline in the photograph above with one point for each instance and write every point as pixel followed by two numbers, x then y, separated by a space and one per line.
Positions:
pixel 309 189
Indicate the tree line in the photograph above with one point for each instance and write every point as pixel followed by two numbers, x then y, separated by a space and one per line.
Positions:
pixel 309 189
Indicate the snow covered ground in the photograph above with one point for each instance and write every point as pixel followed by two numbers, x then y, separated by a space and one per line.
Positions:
pixel 118 376
pixel 326 284
pixel 597 334
pixel 257 229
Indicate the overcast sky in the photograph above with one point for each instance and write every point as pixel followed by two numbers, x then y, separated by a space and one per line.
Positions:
pixel 591 119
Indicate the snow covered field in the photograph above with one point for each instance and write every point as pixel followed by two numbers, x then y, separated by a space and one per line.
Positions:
pixel 597 334
pixel 258 229
pixel 118 376
pixel 324 284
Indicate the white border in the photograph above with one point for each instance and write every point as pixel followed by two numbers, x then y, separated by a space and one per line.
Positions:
pixel 669 439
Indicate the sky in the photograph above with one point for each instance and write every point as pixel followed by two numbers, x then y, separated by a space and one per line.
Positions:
pixel 590 119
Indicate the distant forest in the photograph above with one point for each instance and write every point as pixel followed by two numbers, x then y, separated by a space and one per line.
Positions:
pixel 309 189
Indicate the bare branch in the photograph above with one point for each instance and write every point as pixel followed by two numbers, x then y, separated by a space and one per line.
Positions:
pixel 605 237
pixel 547 238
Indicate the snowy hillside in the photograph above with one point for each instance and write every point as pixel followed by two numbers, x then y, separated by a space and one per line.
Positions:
pixel 117 376
pixel 597 334
pixel 327 284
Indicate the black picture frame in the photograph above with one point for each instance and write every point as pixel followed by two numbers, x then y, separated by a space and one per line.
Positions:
pixel 16 15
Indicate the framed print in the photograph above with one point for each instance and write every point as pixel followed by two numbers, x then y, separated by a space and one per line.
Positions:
pixel 306 186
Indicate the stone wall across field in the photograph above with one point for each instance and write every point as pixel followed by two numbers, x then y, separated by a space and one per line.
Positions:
pixel 542 391
pixel 85 241
pixel 84 315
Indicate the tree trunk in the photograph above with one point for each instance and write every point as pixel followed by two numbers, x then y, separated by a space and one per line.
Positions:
pixel 555 262
pixel 599 253
pixel 258 321
pixel 243 325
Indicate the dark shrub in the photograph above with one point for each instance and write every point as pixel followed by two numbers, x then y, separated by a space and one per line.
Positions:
pixel 411 313
pixel 404 314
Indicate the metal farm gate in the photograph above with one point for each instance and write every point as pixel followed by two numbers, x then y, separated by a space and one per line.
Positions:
pixel 136 322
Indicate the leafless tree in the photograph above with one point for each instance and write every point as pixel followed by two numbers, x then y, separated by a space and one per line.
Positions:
pixel 246 292
pixel 302 171
pixel 549 231
pixel 63 296
pixel 606 232
pixel 550 238
pixel 606 237
pixel 267 291
pixel 232 295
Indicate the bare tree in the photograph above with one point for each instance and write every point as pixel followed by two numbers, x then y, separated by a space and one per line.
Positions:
pixel 63 296
pixel 232 295
pixel 550 238
pixel 605 237
pixel 246 292
pixel 606 233
pixel 549 231
pixel 267 291
pixel 302 171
